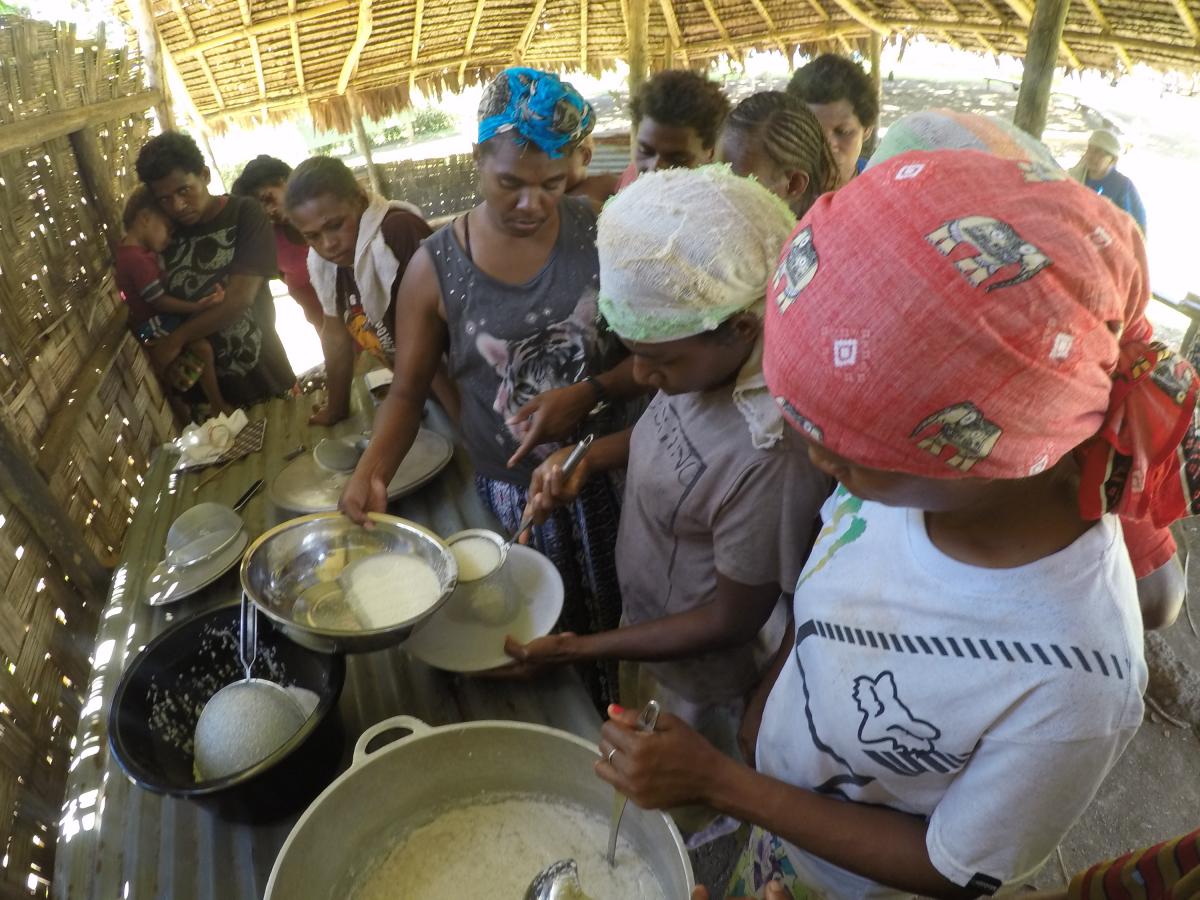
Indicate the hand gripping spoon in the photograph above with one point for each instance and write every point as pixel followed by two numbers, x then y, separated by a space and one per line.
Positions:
pixel 645 723
pixel 568 467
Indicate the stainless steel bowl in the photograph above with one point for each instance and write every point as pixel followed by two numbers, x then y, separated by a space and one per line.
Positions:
pixel 296 565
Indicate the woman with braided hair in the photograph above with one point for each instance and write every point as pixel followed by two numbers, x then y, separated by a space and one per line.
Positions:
pixel 774 137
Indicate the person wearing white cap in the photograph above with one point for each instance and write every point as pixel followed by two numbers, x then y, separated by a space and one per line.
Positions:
pixel 1097 168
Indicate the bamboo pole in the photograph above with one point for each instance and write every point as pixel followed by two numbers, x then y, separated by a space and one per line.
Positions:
pixel 539 7
pixel 875 47
pixel 638 25
pixel 37 130
pixel 471 32
pixel 363 145
pixel 366 22
pixel 151 46
pixel 25 489
pixel 1041 54
pixel 674 36
pixel 96 174
pixel 264 26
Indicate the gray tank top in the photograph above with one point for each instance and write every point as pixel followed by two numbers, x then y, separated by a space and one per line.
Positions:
pixel 509 343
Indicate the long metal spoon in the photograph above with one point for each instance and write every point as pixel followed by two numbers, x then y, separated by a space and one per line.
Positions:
pixel 646 722
pixel 558 881
pixel 568 467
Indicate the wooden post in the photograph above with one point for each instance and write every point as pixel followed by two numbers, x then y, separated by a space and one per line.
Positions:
pixel 363 144
pixel 152 56
pixel 96 175
pixel 637 25
pixel 875 45
pixel 25 489
pixel 1041 54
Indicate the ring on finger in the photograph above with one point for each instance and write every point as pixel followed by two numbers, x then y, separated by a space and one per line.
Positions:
pixel 611 754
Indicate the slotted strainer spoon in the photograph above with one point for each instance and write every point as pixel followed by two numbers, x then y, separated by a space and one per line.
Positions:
pixel 266 714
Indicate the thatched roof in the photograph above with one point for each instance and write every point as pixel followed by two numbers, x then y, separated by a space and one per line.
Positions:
pixel 277 58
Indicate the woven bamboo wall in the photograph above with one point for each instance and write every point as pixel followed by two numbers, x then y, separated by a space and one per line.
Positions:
pixel 56 296
pixel 440 187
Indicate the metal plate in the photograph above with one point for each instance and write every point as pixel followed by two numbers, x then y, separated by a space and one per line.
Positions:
pixel 305 487
pixel 456 643
pixel 168 584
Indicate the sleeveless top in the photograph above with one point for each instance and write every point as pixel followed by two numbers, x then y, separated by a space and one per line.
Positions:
pixel 509 343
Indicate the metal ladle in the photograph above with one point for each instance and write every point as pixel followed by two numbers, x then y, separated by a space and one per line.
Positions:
pixel 568 467
pixel 269 714
pixel 645 723
pixel 558 881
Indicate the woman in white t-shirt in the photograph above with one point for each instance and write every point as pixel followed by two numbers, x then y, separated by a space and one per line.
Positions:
pixel 967 660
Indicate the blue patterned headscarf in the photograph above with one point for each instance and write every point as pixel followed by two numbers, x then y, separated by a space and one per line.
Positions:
pixel 538 107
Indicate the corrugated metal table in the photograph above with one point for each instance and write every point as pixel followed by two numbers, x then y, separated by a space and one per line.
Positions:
pixel 119 841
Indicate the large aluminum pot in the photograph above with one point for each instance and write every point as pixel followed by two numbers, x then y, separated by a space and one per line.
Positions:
pixel 405 784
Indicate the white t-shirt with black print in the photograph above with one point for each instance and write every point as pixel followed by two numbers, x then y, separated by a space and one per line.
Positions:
pixel 991 701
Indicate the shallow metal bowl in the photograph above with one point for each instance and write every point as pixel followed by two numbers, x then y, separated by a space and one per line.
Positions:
pixel 293 563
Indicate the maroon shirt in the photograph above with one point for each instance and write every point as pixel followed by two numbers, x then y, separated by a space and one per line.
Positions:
pixel 293 266
pixel 139 279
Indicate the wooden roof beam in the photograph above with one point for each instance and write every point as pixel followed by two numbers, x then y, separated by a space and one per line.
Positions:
pixel 1102 21
pixel 294 34
pixel 471 33
pixel 361 36
pixel 583 35
pixel 668 11
pixel 418 20
pixel 1025 14
pixel 771 29
pixel 205 69
pixel 720 26
pixel 265 26
pixel 858 14
pixel 819 10
pixel 255 55
pixel 1189 21
pixel 519 51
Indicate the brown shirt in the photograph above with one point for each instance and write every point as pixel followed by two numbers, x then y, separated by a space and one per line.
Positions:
pixel 700 499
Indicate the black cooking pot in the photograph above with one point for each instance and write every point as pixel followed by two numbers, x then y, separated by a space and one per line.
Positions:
pixel 164 688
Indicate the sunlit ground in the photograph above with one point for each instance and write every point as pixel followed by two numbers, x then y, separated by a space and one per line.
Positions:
pixel 299 338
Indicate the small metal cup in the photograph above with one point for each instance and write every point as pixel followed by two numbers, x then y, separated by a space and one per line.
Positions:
pixel 490 598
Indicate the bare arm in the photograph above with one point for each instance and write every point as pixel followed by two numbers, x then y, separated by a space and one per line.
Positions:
pixel 421 339
pixel 556 412
pixel 337 346
pixel 734 616
pixel 675 765
pixel 165 303
pixel 239 297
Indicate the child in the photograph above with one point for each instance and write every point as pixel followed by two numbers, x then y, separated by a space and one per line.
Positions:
pixel 720 499
pixel 153 313
pixel 967 663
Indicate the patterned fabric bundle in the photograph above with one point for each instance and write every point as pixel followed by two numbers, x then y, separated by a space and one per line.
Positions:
pixel 1167 870
pixel 993 326
pixel 667 273
pixel 537 108
pixel 945 129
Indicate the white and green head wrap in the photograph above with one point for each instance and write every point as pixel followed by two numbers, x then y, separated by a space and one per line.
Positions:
pixel 683 250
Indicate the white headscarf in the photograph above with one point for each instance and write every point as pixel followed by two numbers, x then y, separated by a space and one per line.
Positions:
pixel 683 250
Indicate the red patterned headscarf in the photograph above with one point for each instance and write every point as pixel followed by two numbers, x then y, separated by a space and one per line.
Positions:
pixel 951 313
